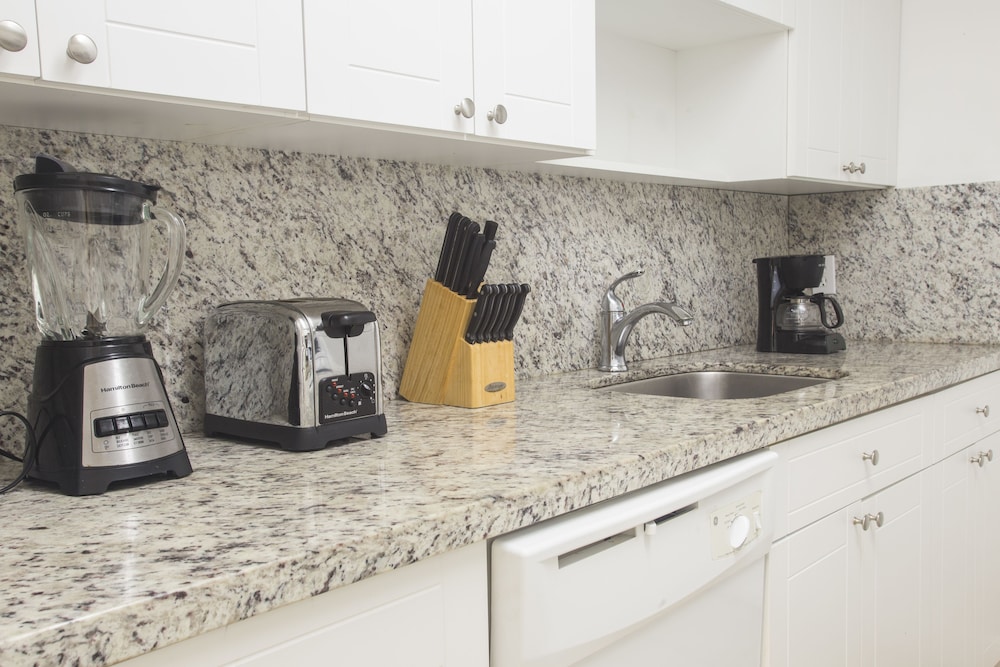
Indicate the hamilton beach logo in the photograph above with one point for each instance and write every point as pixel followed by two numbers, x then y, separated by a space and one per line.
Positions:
pixel 123 387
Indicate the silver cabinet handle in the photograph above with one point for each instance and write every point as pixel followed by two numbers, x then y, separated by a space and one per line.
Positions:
pixel 984 411
pixel 12 36
pixel 466 108
pixel 497 114
pixel 82 49
pixel 867 520
pixel 982 458
pixel 851 168
pixel 873 457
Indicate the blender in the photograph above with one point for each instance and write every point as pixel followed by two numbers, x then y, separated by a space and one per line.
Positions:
pixel 789 320
pixel 98 404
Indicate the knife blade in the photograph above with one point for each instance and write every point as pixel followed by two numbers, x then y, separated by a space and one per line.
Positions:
pixel 522 293
pixel 446 247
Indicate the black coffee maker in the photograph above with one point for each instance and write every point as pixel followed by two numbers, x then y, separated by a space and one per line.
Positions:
pixel 789 320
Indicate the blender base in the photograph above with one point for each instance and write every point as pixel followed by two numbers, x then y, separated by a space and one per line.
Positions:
pixel 101 415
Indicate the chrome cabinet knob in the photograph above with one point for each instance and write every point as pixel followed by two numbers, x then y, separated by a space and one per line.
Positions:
pixel 12 36
pixel 466 108
pixel 982 458
pixel 851 168
pixel 866 521
pixel 870 456
pixel 984 411
pixel 498 114
pixel 82 49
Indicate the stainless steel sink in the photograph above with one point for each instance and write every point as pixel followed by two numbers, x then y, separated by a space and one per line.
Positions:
pixel 714 385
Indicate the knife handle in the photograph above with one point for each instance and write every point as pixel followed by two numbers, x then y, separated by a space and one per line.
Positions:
pixel 478 314
pixel 522 293
pixel 446 246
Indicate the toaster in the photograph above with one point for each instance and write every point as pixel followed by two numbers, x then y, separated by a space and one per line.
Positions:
pixel 299 373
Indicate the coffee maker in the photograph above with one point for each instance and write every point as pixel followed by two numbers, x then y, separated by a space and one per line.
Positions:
pixel 788 319
pixel 97 405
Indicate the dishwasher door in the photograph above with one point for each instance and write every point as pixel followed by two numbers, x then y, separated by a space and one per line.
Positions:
pixel 672 574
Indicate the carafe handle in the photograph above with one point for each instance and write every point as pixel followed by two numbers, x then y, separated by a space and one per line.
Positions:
pixel 819 299
pixel 176 245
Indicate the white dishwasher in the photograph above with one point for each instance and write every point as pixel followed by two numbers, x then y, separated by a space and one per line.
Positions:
pixel 672 574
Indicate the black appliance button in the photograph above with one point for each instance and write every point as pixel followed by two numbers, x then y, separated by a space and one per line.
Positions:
pixel 137 422
pixel 150 419
pixel 104 427
pixel 121 424
pixel 161 418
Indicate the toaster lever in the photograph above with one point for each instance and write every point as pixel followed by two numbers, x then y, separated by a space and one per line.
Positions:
pixel 346 323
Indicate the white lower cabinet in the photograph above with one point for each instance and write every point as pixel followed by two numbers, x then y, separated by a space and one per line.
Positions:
pixel 431 613
pixel 895 565
pixel 846 590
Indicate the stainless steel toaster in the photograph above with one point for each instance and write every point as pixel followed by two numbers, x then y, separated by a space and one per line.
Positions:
pixel 299 373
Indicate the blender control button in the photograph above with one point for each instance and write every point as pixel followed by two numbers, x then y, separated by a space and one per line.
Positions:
pixel 137 422
pixel 161 418
pixel 104 427
pixel 150 419
pixel 121 424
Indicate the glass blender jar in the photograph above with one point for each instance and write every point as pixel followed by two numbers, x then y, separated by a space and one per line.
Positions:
pixel 98 404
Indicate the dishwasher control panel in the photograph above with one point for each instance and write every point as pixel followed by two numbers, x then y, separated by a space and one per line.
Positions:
pixel 736 525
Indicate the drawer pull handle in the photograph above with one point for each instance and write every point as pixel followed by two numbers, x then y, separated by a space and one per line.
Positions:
pixel 984 411
pixel 982 458
pixel 873 457
pixel 867 520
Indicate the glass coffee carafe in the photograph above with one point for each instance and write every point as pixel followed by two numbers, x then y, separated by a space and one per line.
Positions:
pixel 88 240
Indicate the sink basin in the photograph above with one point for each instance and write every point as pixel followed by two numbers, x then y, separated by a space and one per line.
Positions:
pixel 717 385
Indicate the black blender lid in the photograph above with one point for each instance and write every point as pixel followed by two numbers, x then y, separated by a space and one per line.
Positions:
pixel 52 173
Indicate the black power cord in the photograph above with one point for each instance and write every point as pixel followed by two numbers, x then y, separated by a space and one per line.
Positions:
pixel 30 450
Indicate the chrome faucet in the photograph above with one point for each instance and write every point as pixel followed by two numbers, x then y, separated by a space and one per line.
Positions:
pixel 616 326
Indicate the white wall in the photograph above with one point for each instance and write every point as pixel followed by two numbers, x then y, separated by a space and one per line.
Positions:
pixel 949 104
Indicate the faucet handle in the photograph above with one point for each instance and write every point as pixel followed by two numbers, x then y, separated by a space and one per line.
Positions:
pixel 611 300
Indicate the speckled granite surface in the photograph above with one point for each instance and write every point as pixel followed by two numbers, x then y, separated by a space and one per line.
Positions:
pixel 94 580
pixel 271 225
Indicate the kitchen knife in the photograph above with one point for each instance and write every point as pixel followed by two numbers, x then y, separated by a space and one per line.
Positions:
pixel 490 230
pixel 470 263
pixel 522 293
pixel 446 247
pixel 482 263
pixel 455 257
pixel 503 312
pixel 478 314
pixel 492 314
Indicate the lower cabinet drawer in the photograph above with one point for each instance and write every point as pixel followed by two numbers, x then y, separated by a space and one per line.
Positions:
pixel 828 469
pixel 969 412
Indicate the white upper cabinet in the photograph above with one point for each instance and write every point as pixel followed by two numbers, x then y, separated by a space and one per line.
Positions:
pixel 844 90
pixel 18 38
pixel 506 69
pixel 233 51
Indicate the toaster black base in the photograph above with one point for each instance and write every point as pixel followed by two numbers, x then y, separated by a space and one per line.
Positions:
pixel 295 438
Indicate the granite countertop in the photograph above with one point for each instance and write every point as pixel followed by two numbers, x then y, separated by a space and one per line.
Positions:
pixel 98 579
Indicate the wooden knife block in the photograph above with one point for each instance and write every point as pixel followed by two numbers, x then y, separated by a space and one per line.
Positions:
pixel 442 368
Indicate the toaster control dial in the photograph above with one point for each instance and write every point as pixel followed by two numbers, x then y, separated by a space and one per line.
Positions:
pixel 347 397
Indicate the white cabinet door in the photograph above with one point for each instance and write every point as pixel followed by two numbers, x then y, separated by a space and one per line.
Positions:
pixel 18 38
pixel 390 61
pixel 412 64
pixel 536 60
pixel 814 596
pixel 891 574
pixel 985 532
pixel 844 97
pixel 233 52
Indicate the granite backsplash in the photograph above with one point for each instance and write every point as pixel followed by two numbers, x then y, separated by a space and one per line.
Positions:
pixel 269 225
pixel 915 264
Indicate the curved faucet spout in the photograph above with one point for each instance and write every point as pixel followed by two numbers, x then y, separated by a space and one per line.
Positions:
pixel 616 326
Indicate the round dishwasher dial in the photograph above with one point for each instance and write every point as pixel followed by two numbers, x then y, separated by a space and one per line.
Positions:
pixel 739 531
